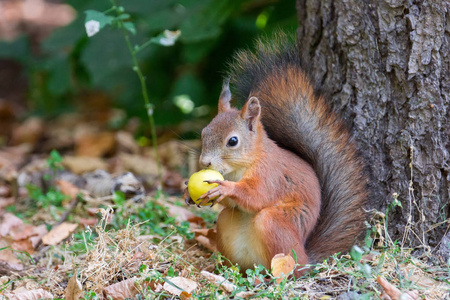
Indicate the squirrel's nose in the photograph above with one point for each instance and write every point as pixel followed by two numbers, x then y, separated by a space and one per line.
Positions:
pixel 205 162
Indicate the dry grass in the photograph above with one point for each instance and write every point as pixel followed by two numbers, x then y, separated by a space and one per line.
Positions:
pixel 115 255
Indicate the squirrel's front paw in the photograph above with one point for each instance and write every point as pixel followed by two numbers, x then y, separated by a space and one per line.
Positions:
pixel 217 194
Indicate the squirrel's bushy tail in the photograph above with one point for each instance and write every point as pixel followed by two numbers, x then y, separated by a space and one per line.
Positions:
pixel 299 119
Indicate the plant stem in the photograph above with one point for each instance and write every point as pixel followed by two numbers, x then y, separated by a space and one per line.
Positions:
pixel 148 105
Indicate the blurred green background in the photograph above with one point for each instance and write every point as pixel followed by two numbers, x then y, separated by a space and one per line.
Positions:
pixel 184 80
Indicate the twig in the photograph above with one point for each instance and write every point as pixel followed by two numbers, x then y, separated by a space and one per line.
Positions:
pixel 68 211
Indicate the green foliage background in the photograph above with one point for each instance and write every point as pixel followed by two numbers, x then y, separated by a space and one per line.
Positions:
pixel 70 64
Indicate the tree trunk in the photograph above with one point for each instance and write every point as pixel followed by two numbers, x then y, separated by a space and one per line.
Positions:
pixel 385 65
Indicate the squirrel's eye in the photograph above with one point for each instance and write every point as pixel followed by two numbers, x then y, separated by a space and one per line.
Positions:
pixel 233 141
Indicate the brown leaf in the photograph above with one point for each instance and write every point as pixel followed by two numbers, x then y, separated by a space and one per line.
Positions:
pixel 245 294
pixel 95 144
pixel 30 295
pixel 5 191
pixel 126 142
pixel 178 212
pixel 184 284
pixel 207 238
pixel 28 132
pixel 281 265
pixel 88 222
pixel 7 255
pixel 74 289
pixel 369 257
pixel 121 290
pixel 23 237
pixel 137 164
pixel 83 164
pixel 173 180
pixel 38 233
pixel 23 245
pixel 67 188
pixel 59 233
pixel 21 232
pixel 9 222
pixel 6 202
pixel 185 296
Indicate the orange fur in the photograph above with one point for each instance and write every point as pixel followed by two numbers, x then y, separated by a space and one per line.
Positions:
pixel 294 181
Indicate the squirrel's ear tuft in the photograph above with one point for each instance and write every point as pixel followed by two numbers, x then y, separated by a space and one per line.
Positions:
pixel 225 96
pixel 251 112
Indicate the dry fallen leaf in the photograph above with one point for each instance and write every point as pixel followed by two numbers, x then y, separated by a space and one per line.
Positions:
pixel 21 232
pixel 220 281
pixel 5 191
pixel 185 296
pixel 9 222
pixel 38 233
pixel 137 164
pixel 30 295
pixel 88 222
pixel 6 202
pixel 83 164
pixel 7 255
pixel 184 284
pixel 207 238
pixel 245 294
pixel 74 289
pixel 23 245
pixel 59 233
pixel 121 290
pixel 20 236
pixel 126 142
pixel 95 144
pixel 281 265
pixel 67 188
pixel 178 212
pixel 28 132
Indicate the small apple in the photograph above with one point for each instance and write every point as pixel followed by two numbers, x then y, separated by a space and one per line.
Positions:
pixel 197 185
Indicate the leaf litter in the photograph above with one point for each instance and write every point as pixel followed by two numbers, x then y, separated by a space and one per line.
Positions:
pixel 88 245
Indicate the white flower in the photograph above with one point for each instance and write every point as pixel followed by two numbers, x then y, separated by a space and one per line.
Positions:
pixel 92 27
pixel 169 37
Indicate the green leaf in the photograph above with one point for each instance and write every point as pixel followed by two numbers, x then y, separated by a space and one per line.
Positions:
pixel 206 23
pixel 95 21
pixel 104 56
pixel 130 27
pixel 60 75
pixel 124 16
pixel 64 39
pixel 54 159
pixel 142 268
pixel 119 198
pixel 18 49
pixel 366 270
pixel 356 253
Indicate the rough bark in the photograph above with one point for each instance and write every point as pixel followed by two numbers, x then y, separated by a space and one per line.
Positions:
pixel 386 66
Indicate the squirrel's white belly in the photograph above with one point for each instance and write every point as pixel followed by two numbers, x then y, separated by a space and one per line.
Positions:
pixel 238 241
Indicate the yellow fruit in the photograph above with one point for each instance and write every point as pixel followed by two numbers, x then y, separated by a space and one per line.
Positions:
pixel 197 186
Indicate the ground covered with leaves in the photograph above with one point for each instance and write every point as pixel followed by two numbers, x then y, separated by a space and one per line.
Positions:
pixel 86 210
pixel 87 221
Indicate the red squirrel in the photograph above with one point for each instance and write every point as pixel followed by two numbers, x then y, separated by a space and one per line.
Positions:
pixel 293 179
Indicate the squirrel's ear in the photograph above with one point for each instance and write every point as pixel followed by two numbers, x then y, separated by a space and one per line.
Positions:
pixel 251 112
pixel 225 96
